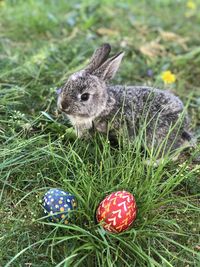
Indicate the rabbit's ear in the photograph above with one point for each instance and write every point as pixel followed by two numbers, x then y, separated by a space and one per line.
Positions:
pixel 109 68
pixel 98 58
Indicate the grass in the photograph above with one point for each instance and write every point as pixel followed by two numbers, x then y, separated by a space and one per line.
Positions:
pixel 41 43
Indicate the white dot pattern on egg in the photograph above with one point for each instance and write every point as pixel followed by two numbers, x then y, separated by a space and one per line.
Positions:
pixel 59 204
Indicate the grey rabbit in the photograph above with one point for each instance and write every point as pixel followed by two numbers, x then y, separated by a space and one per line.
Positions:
pixel 91 103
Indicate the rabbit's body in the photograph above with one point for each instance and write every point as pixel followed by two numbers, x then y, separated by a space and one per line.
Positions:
pixel 90 103
pixel 134 107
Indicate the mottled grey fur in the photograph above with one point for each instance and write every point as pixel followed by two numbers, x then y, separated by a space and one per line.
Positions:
pixel 122 106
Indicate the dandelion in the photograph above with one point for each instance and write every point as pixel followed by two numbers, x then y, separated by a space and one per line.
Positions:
pixel 168 77
pixel 191 5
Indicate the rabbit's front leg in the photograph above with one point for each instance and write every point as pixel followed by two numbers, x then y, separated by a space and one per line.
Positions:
pixel 83 130
pixel 81 125
pixel 80 131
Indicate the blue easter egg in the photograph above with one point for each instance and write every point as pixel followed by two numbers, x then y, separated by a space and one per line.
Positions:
pixel 58 205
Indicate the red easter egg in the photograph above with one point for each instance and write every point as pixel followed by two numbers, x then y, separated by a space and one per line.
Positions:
pixel 117 211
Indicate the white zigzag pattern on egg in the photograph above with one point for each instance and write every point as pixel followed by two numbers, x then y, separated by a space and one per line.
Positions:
pixel 127 198
pixel 119 213
pixel 113 220
pixel 124 205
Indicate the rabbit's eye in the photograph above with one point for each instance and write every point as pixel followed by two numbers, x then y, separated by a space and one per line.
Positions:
pixel 85 97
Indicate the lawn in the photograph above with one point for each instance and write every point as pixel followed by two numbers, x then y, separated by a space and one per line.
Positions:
pixel 41 43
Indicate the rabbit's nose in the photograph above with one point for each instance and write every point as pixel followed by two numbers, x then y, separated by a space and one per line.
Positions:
pixel 64 105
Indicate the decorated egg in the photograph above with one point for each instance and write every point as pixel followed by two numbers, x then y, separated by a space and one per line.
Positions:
pixel 58 205
pixel 117 211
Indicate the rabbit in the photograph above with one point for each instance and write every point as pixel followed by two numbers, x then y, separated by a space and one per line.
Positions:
pixel 91 103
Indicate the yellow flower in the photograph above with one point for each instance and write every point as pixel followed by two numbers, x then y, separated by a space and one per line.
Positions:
pixel 168 77
pixel 191 5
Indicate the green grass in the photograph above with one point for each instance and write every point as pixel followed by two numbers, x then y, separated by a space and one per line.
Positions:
pixel 41 43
